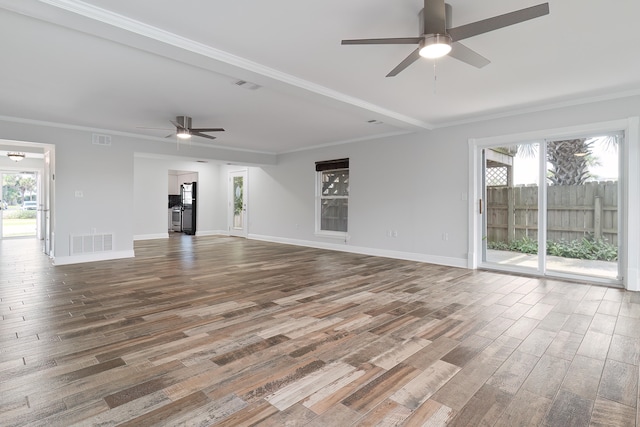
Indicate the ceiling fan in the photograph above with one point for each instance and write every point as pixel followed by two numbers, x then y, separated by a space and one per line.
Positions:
pixel 438 39
pixel 185 131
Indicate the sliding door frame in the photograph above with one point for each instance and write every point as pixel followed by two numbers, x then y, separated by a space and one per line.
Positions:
pixel 629 179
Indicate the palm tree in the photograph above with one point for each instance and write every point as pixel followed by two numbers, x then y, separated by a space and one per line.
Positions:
pixel 570 160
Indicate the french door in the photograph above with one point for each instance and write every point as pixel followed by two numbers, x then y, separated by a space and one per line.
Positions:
pixel 238 203
pixel 553 207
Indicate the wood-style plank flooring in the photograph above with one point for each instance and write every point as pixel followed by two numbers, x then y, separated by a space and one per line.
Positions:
pixel 200 331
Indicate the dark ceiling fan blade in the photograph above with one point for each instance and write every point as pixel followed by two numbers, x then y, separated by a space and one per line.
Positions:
pixel 202 134
pixel 413 57
pixel 207 130
pixel 480 27
pixel 177 125
pixel 434 16
pixel 466 55
pixel 400 40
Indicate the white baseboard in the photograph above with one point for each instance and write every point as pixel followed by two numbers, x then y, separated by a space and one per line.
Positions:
pixel 151 236
pixel 212 233
pixel 166 235
pixel 407 256
pixel 96 256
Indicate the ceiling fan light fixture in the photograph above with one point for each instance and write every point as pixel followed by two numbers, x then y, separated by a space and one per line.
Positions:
pixel 435 46
pixel 183 134
pixel 16 157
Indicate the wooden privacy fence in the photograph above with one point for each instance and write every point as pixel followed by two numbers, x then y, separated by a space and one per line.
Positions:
pixel 573 212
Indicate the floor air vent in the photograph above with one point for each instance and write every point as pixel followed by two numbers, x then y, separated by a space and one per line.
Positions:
pixel 91 243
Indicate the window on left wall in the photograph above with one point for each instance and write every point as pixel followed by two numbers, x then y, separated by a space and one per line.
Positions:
pixel 332 196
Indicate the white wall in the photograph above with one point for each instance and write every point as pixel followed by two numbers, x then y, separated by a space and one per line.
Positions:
pixel 6 164
pixel 415 184
pixel 150 207
pixel 150 196
pixel 404 184
pixel 105 176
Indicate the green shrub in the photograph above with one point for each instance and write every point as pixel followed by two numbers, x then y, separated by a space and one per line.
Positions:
pixel 585 248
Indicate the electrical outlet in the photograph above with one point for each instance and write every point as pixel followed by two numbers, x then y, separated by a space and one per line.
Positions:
pixel 445 236
pixel 395 233
pixel 79 193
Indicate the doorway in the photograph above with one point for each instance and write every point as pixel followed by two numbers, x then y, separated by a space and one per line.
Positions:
pixel 237 214
pixel 30 208
pixel 20 205
pixel 553 207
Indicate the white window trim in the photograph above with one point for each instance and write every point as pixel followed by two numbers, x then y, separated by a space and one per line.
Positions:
pixel 340 235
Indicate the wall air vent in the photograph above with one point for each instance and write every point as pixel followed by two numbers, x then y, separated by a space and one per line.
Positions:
pixel 90 243
pixel 99 139
pixel 246 85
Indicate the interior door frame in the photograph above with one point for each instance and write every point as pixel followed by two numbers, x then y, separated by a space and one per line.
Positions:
pixel 629 179
pixel 243 232
pixel 48 197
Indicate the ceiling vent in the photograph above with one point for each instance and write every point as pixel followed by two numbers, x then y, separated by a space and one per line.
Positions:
pixel 99 139
pixel 246 85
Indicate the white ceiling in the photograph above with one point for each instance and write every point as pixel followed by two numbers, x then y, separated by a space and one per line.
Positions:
pixel 119 65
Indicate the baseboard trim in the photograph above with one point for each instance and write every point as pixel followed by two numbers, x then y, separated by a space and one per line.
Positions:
pixel 151 236
pixel 212 233
pixel 101 256
pixel 384 253
pixel 166 235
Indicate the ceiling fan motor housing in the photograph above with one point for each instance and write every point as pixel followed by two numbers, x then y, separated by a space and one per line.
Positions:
pixel 184 121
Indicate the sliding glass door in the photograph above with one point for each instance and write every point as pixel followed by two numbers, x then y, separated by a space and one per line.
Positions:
pixel 552 207
pixel 582 214
pixel 511 177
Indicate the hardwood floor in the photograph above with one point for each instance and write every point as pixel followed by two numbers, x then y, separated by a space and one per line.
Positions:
pixel 200 331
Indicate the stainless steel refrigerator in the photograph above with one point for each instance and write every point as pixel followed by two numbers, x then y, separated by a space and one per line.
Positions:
pixel 188 195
